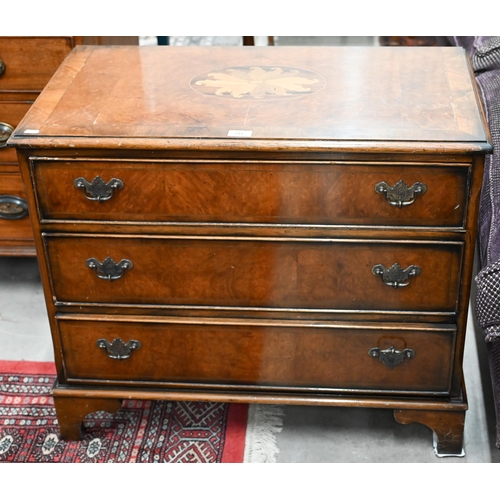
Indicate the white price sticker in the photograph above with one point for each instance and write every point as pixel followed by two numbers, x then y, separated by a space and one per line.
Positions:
pixel 239 133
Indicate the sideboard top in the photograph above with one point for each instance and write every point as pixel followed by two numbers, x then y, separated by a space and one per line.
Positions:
pixel 118 96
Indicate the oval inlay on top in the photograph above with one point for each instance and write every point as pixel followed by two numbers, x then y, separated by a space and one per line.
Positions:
pixel 258 82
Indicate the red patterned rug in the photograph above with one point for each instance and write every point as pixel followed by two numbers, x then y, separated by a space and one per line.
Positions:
pixel 142 431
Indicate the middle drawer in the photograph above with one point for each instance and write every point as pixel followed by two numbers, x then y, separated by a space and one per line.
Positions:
pixel 255 272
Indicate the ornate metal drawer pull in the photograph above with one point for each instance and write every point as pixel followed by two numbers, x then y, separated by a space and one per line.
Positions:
pixel 2 67
pixel 400 195
pixel 395 276
pixel 12 207
pixel 109 269
pixel 5 132
pixel 391 357
pixel 118 349
pixel 98 190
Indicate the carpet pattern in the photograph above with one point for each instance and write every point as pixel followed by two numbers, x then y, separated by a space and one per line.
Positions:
pixel 142 431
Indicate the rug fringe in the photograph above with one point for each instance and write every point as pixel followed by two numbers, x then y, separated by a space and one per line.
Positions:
pixel 264 422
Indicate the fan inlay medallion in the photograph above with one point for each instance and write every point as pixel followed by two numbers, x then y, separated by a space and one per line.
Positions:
pixel 258 82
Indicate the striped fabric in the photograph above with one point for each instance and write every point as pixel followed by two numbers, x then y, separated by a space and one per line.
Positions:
pixel 484 53
pixel 488 280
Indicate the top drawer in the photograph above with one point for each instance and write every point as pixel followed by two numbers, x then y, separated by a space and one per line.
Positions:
pixel 28 63
pixel 310 193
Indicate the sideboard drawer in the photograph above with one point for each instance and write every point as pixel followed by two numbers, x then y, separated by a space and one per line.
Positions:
pixel 14 219
pixel 265 272
pixel 11 113
pixel 290 355
pixel 249 192
pixel 29 62
pixel 18 229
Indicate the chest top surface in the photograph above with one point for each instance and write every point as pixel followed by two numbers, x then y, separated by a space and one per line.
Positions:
pixel 391 94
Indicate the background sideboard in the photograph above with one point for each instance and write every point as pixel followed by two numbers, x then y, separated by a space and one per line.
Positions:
pixel 26 66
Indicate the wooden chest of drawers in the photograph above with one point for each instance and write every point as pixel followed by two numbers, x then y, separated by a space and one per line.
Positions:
pixel 273 225
pixel 26 66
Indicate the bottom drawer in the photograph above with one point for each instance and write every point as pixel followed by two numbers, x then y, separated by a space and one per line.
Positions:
pixel 258 355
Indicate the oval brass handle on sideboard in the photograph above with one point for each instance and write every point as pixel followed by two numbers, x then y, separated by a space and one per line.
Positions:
pixel 12 207
pixel 400 195
pixel 391 357
pixel 5 132
pixel 396 276
pixel 97 189
pixel 2 67
pixel 109 269
pixel 118 349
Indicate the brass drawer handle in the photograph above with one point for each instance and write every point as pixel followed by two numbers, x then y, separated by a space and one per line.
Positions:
pixel 12 207
pixel 395 276
pixel 5 132
pixel 391 357
pixel 109 269
pixel 118 349
pixel 400 195
pixel 2 67
pixel 98 190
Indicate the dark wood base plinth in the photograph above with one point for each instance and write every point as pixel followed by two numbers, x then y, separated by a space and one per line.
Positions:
pixel 445 417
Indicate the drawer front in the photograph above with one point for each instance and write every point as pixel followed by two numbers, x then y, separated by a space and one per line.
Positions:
pixel 274 193
pixel 286 356
pixel 10 116
pixel 245 272
pixel 14 221
pixel 30 62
